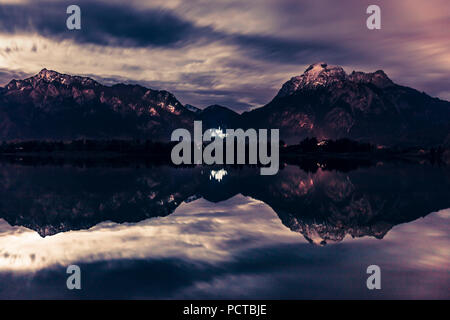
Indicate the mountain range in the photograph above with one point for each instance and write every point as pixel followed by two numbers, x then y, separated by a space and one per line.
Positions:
pixel 325 206
pixel 324 102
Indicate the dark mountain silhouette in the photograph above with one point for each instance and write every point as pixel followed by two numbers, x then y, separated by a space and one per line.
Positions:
pixel 216 116
pixel 324 206
pixel 192 108
pixel 51 105
pixel 323 102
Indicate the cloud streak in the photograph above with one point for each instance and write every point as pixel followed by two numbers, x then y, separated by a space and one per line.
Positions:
pixel 226 52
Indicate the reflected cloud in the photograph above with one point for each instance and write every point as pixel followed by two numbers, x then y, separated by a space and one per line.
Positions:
pixel 206 232
pixel 233 249
pixel 177 234
pixel 196 231
pixel 427 242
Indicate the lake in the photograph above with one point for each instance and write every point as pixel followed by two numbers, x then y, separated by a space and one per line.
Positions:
pixel 159 232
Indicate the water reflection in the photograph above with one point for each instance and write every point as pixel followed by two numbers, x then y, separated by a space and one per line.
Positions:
pixel 324 206
pixel 239 236
pixel 218 175
pixel 197 231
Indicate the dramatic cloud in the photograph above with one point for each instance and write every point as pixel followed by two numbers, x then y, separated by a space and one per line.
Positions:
pixel 103 24
pixel 228 52
pixel 6 75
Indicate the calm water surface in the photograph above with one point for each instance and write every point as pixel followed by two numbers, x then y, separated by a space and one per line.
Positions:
pixel 165 233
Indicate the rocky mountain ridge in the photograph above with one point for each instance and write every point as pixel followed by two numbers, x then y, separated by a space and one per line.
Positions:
pixel 324 102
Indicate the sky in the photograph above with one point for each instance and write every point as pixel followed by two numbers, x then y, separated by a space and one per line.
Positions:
pixel 230 52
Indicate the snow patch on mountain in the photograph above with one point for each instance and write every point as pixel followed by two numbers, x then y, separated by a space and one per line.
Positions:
pixel 316 75
pixel 321 75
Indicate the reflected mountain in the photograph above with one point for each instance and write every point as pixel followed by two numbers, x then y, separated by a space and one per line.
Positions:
pixel 322 205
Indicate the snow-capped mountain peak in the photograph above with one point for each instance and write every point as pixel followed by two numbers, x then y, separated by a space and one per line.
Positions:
pixel 316 75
